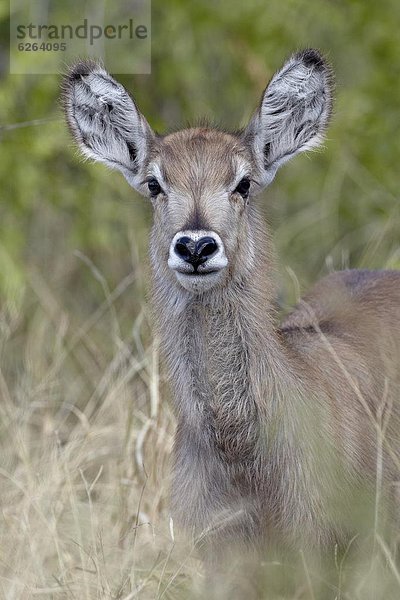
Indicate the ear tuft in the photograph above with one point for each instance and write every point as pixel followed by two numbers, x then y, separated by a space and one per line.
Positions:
pixel 311 58
pixel 82 69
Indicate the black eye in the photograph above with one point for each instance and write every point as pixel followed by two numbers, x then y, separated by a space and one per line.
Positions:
pixel 154 187
pixel 243 187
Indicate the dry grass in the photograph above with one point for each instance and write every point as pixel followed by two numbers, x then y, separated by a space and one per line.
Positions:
pixel 85 442
pixel 86 436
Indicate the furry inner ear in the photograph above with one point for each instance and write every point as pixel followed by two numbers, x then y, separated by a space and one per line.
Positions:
pixel 294 112
pixel 105 121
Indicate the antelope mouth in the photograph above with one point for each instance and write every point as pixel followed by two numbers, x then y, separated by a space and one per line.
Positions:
pixel 199 281
pixel 196 273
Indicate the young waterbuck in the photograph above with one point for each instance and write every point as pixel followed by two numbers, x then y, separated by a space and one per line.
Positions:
pixel 281 430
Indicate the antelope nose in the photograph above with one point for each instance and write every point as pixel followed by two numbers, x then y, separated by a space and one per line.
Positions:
pixel 195 252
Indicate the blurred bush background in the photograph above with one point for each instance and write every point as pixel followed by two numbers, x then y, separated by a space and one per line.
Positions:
pixel 74 322
pixel 213 59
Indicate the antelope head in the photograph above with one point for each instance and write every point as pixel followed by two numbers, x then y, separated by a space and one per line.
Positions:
pixel 201 181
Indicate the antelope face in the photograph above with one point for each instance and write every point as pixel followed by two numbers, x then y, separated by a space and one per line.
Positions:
pixel 200 180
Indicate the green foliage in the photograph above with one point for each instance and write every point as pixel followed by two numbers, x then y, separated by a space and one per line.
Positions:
pixel 213 59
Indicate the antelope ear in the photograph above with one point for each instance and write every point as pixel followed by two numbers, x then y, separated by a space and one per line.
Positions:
pixel 293 114
pixel 105 121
